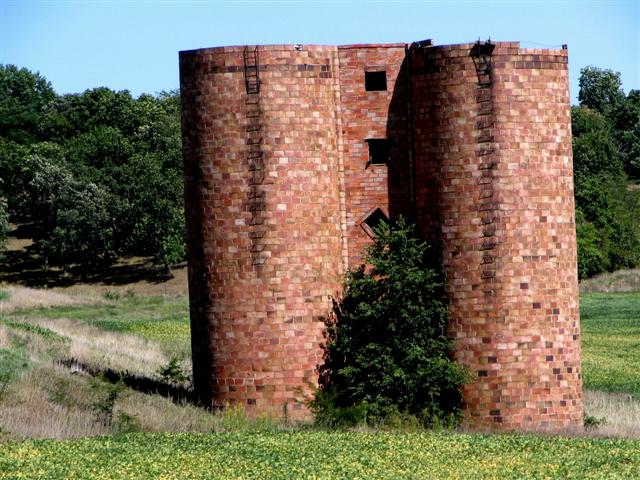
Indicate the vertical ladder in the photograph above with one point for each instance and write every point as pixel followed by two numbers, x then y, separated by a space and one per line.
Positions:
pixel 481 55
pixel 256 195
pixel 487 152
pixel 251 74
pixel 483 70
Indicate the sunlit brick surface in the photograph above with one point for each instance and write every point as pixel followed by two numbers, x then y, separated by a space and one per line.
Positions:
pixel 262 204
pixel 278 183
pixel 494 176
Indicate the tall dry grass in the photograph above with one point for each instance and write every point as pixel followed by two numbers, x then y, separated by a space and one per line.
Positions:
pixel 619 281
pixel 108 350
pixel 5 340
pixel 23 297
pixel 53 402
pixel 28 409
pixel 87 344
pixel 152 413
pixel 621 414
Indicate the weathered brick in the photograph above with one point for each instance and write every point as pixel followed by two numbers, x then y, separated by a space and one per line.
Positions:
pixel 278 189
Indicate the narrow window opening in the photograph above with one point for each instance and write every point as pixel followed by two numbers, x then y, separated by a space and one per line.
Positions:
pixel 375 81
pixel 378 151
pixel 373 221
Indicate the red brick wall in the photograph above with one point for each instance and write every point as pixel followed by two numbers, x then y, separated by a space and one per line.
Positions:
pixel 495 183
pixel 373 114
pixel 263 219
pixel 277 183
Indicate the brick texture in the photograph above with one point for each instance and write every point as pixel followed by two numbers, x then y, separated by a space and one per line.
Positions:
pixel 373 115
pixel 278 183
pixel 263 219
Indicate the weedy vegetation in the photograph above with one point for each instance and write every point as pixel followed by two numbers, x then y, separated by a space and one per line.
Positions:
pixel 97 426
pixel 323 455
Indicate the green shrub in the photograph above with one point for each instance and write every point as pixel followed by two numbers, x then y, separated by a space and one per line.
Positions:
pixel 606 148
pixel 591 422
pixel 103 408
pixel 173 372
pixel 387 354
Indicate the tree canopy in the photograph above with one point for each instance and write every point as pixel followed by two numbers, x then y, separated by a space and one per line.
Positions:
pixel 24 96
pixel 606 152
pixel 600 90
pixel 98 174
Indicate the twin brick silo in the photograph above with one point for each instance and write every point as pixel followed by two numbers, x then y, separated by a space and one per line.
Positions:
pixel 293 153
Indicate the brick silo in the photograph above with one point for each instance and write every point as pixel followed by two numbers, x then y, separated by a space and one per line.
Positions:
pixel 494 182
pixel 264 228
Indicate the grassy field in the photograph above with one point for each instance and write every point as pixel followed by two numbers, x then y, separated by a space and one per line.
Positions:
pixel 165 320
pixel 610 325
pixel 108 429
pixel 322 455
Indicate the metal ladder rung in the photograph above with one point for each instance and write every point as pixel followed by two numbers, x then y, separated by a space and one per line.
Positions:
pixel 251 70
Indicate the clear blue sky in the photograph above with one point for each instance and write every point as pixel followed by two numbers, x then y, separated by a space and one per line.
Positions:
pixel 134 44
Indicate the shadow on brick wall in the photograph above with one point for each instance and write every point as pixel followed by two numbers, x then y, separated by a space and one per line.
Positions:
pixel 413 177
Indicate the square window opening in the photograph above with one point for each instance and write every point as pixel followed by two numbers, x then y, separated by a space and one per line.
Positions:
pixel 373 221
pixel 378 151
pixel 375 81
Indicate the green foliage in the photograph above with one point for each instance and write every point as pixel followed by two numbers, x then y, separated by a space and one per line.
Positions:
pixel 594 148
pixel 43 332
pixel 610 324
pixel 322 455
pixel 592 259
pixel 173 371
pixel 115 296
pixel 151 221
pixel 125 423
pixel 75 217
pixel 23 98
pixel 626 121
pixel 12 363
pixel 12 157
pixel 103 407
pixel 387 351
pixel 606 223
pixel 604 151
pixel 73 114
pixel 600 89
pixel 591 422
pixel 98 151
pixel 115 161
